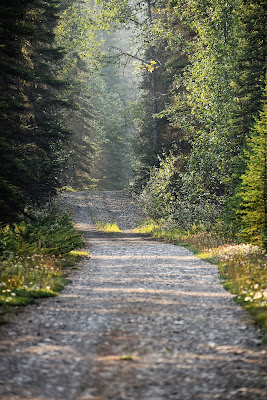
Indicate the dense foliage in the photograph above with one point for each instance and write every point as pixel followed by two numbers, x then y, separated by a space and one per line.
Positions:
pixel 208 85
pixel 195 148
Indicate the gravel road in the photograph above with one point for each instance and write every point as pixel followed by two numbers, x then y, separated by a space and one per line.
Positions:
pixel 142 320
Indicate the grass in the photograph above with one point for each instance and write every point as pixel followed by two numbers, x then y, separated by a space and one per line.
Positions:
pixel 67 189
pixel 242 267
pixel 127 357
pixel 109 227
pixel 25 278
pixel 35 257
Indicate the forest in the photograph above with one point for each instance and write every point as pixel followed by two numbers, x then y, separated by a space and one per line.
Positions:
pixel 163 98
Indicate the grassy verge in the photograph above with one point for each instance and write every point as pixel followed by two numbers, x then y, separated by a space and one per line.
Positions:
pixel 35 256
pixel 242 266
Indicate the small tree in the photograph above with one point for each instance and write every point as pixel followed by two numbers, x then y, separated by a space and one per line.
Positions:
pixel 253 192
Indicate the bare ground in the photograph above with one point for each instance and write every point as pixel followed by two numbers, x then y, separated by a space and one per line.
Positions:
pixel 141 320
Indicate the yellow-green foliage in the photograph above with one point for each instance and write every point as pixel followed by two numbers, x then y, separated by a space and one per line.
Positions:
pixel 110 227
pixel 158 230
pixel 148 227
pixel 127 357
pixel 79 253
pixel 69 189
pixel 243 267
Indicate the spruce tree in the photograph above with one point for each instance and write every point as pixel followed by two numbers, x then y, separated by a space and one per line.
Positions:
pixel 253 192
pixel 31 102
pixel 248 85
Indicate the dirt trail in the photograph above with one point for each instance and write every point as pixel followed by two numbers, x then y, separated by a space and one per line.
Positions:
pixel 142 320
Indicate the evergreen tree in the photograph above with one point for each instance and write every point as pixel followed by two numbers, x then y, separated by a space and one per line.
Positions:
pixel 12 103
pixel 32 99
pixel 248 82
pixel 253 191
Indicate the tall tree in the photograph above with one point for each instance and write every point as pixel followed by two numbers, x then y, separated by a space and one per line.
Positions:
pixel 99 146
pixel 253 190
pixel 32 127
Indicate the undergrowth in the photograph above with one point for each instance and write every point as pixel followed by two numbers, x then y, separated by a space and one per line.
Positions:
pixel 35 255
pixel 242 267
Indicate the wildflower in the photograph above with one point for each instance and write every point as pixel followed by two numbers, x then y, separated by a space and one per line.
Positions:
pixel 247 299
pixel 256 286
pixel 257 295
pixel 8 290
pixel 48 287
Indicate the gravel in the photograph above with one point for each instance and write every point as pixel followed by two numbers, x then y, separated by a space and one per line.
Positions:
pixel 141 320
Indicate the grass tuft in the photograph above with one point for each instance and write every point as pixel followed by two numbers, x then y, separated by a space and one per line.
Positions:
pixel 127 357
pixel 109 227
pixel 67 189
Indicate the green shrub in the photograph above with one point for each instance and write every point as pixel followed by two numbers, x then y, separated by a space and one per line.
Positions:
pixel 46 231
pixel 172 195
